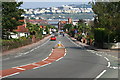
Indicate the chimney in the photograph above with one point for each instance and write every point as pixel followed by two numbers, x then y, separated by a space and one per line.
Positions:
pixel 69 21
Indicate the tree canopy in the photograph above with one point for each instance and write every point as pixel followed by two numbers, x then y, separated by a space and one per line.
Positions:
pixel 11 15
pixel 108 17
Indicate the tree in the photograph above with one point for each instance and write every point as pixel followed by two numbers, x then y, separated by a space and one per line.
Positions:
pixel 108 17
pixel 10 16
pixel 67 27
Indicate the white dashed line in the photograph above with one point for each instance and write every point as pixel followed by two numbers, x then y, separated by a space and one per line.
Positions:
pixel 108 64
pixel 106 58
pixel 19 68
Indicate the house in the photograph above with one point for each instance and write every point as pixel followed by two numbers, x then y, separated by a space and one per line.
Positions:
pixel 62 23
pixel 21 31
pixel 38 21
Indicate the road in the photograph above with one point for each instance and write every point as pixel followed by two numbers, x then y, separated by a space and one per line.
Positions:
pixel 77 63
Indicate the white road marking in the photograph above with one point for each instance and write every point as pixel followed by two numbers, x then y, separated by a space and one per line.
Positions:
pixel 59 59
pixel 99 55
pixel 26 52
pixel 45 58
pixel 6 59
pixel 46 61
pixel 41 66
pixel 51 53
pixel 108 64
pixel 31 50
pixel 11 75
pixel 100 74
pixel 106 58
pixel 35 64
pixel 21 54
pixel 19 68
pixel 18 56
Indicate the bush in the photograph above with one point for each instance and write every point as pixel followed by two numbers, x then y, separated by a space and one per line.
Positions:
pixel 14 43
pixel 99 35
pixel 23 38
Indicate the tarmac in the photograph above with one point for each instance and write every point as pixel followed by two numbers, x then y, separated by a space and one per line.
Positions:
pixel 114 52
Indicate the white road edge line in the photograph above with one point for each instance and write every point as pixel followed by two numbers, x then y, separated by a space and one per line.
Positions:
pixel 100 74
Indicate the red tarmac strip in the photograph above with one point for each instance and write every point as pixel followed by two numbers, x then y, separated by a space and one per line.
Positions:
pixel 55 55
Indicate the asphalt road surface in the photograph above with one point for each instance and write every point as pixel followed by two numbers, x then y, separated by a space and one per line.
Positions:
pixel 78 62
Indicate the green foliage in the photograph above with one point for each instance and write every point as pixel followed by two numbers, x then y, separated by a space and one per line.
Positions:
pixel 15 43
pixel 108 16
pixel 67 26
pixel 23 38
pixel 47 30
pixel 10 16
pixel 99 36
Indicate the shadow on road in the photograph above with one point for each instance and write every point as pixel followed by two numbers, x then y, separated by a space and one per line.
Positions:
pixel 73 48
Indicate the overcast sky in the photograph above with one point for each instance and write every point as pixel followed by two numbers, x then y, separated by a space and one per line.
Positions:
pixel 50 3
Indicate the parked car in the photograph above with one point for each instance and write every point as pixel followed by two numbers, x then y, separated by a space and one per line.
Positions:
pixel 53 38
